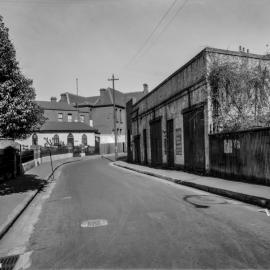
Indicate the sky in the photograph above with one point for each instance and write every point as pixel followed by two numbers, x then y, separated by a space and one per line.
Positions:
pixel 140 41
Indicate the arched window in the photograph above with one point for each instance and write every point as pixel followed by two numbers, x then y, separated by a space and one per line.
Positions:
pixel 55 140
pixel 34 139
pixel 70 139
pixel 84 139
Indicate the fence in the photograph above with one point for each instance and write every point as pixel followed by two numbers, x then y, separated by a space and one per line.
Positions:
pixel 45 151
pixel 243 155
pixel 108 148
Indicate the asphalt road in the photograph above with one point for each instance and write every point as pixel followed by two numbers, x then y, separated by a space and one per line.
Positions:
pixel 146 223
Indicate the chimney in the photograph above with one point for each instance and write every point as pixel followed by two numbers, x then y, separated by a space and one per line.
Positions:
pixel 63 98
pixel 53 99
pixel 247 50
pixel 145 88
pixel 102 93
pixel 243 49
pixel 240 48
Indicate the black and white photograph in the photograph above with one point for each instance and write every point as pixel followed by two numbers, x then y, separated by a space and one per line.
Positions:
pixel 134 134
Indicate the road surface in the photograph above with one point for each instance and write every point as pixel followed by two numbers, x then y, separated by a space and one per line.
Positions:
pixel 100 216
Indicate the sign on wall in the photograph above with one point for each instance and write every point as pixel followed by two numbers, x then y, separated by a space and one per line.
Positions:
pixel 227 146
pixel 178 141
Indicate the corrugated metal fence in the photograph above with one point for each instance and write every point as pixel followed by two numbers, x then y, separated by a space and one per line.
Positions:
pixel 108 148
pixel 244 155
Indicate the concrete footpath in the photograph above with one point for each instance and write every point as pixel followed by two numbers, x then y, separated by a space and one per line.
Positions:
pixel 249 193
pixel 17 194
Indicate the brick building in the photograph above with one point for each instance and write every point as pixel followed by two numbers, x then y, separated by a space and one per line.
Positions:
pixel 170 125
pixel 65 125
pixel 100 110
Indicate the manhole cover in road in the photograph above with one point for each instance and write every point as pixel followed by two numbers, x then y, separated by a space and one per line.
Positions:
pixel 8 263
pixel 204 201
pixel 92 223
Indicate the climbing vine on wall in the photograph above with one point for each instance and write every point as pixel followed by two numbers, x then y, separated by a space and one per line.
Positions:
pixel 240 96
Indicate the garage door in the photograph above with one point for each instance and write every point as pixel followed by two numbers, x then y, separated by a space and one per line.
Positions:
pixel 194 139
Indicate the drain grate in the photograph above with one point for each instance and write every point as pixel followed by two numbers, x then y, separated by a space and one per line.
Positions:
pixel 8 263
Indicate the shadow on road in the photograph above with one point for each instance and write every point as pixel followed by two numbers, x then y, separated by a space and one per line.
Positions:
pixel 22 184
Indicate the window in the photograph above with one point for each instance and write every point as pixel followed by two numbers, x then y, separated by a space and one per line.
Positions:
pixel 82 118
pixel 60 117
pixel 34 139
pixel 69 117
pixel 116 115
pixel 91 122
pixel 70 139
pixel 55 140
pixel 84 139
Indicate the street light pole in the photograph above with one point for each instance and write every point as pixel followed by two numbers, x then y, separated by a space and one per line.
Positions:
pixel 114 118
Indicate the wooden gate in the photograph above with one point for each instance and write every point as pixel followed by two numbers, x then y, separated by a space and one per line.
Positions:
pixel 170 143
pixel 194 139
pixel 156 142
pixel 137 147
pixel 145 146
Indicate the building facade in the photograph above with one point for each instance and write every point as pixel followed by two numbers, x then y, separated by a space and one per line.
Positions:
pixel 101 114
pixel 170 125
pixel 65 125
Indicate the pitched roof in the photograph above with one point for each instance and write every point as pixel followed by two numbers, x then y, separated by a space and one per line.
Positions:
pixel 75 99
pixel 66 127
pixel 120 98
pixel 106 99
pixel 48 105
pixel 135 95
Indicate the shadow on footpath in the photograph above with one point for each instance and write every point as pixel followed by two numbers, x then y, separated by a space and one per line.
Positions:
pixel 22 184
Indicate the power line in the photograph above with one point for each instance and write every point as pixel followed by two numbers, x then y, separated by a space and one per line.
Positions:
pixel 170 21
pixel 152 33
pixel 166 26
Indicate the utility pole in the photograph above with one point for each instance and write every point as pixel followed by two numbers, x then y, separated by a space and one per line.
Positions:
pixel 114 118
pixel 77 89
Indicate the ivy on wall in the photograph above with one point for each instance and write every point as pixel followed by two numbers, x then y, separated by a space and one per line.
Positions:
pixel 240 96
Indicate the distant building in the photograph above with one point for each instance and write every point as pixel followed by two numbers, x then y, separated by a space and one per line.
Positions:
pixel 65 125
pixel 101 114
pixel 170 125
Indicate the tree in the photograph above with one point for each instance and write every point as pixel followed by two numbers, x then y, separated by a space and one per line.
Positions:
pixel 240 96
pixel 19 114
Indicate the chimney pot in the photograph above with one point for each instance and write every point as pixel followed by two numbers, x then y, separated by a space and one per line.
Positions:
pixel 53 99
pixel 145 88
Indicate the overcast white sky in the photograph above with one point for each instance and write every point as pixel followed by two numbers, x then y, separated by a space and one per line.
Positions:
pixel 59 40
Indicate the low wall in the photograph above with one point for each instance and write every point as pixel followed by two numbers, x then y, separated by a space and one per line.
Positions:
pixel 56 157
pixel 108 148
pixel 36 162
pixel 28 165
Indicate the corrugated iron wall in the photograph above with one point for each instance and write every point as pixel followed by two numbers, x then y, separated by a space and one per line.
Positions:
pixel 241 155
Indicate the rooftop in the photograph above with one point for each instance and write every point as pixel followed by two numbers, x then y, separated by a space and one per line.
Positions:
pixel 104 99
pixel 243 54
pixel 66 127
pixel 48 105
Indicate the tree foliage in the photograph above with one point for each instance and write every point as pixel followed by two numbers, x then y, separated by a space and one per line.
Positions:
pixel 240 96
pixel 19 114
